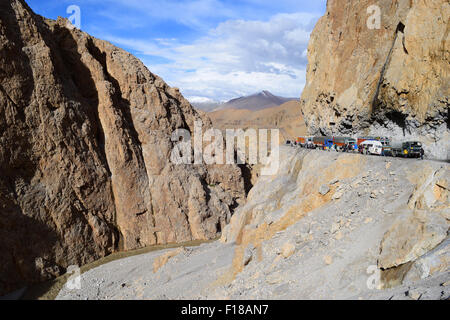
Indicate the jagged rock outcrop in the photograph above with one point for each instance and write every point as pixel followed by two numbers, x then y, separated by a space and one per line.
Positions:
pixel 393 213
pixel 392 81
pixel 85 142
pixel 379 232
pixel 416 245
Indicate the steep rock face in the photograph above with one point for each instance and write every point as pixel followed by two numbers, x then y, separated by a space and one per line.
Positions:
pixel 326 226
pixel 391 81
pixel 344 213
pixel 85 142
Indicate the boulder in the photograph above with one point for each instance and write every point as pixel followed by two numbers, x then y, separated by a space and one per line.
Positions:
pixel 411 236
pixel 324 189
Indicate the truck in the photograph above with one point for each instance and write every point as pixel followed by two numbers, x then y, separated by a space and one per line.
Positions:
pixel 305 142
pixel 348 142
pixel 301 141
pixel 387 151
pixel 371 147
pixel 408 149
pixel 385 141
pixel 323 142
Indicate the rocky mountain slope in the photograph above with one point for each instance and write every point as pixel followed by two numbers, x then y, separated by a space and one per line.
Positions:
pixel 287 118
pixel 391 81
pixel 327 226
pixel 85 141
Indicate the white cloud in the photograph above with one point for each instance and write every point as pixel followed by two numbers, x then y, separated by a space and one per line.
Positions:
pixel 195 99
pixel 236 58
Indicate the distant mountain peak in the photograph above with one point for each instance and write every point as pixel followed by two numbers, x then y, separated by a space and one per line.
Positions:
pixel 257 101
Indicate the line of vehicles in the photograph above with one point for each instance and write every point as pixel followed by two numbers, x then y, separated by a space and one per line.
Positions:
pixel 365 145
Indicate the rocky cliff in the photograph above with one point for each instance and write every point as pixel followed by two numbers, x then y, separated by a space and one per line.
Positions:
pixel 327 226
pixel 85 142
pixel 389 79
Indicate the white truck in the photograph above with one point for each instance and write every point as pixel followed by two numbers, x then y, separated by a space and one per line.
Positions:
pixel 372 147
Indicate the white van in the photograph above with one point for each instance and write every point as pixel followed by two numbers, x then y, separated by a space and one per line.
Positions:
pixel 372 147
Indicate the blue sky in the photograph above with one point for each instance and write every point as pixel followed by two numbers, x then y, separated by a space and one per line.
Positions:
pixel 210 49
